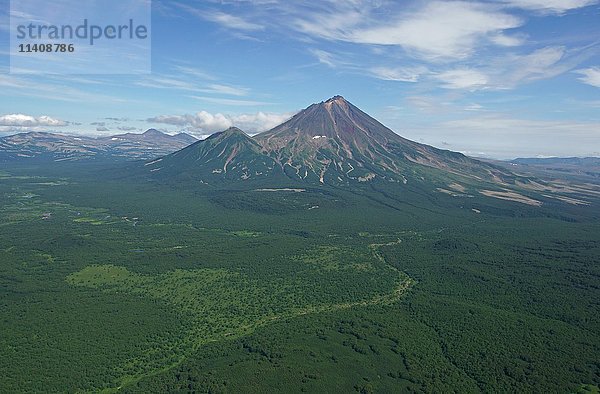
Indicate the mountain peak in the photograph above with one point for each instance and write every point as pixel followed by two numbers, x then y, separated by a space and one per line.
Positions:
pixel 152 132
pixel 230 132
pixel 234 130
pixel 337 99
pixel 229 154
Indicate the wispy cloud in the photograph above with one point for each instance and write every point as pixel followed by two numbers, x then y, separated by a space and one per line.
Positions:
pixel 58 90
pixel 226 90
pixel 542 63
pixel 326 58
pixel 438 30
pixel 224 19
pixel 550 6
pixel 158 81
pixel 508 71
pixel 402 74
pixel 175 82
pixel 463 78
pixel 194 72
pixel 590 76
pixel 437 42
pixel 231 102
pixel 231 21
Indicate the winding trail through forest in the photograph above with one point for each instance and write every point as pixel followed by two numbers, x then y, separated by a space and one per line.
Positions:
pixel 404 284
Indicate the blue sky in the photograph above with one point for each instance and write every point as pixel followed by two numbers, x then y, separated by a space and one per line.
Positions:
pixel 500 79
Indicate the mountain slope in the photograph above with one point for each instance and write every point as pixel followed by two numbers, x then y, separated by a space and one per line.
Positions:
pixel 583 169
pixel 335 142
pixel 230 154
pixel 58 147
pixel 48 146
pixel 150 144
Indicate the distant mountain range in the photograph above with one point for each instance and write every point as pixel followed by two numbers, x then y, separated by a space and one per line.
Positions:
pixel 59 147
pixel 579 168
pixel 559 161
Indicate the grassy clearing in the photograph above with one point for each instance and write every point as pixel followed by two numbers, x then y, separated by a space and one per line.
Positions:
pixel 221 304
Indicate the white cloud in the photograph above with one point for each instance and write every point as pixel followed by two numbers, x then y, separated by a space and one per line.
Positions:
pixel 20 120
pixel 464 78
pixel 260 121
pixel 205 122
pixel 440 29
pixel 504 40
pixel 201 121
pixel 402 74
pixel 550 6
pixel 590 76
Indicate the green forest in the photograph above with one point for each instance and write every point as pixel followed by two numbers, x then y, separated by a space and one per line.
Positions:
pixel 113 285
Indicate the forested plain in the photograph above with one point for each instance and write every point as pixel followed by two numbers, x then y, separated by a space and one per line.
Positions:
pixel 113 284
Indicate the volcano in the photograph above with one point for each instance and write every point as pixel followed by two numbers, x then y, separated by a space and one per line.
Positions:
pixel 328 143
pixel 335 142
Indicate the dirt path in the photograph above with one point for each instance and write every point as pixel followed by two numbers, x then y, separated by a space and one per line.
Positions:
pixel 404 284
